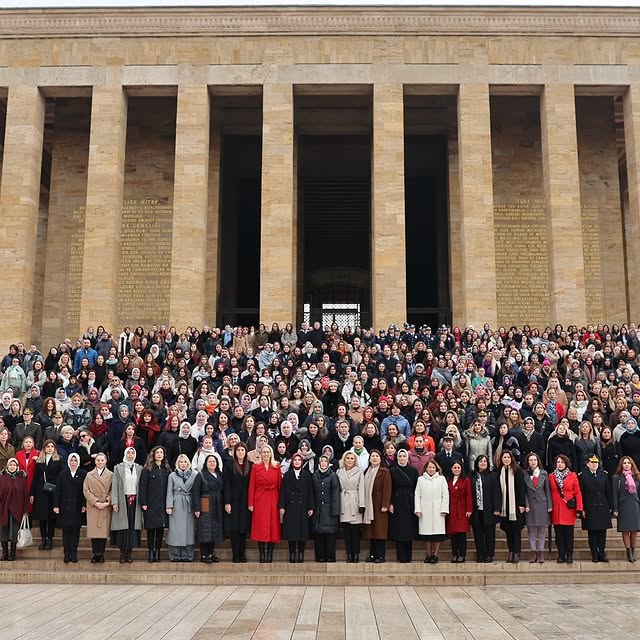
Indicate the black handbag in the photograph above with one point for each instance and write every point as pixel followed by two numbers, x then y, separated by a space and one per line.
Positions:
pixel 48 487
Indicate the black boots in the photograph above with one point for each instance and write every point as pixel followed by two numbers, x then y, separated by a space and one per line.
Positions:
pixel 263 555
pixel 5 551
pixel 300 552
pixel 270 546
pixel 12 551
pixel 152 555
pixel 631 556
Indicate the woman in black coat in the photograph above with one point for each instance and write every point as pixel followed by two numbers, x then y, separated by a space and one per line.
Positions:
pixel 296 507
pixel 48 468
pixel 560 443
pixel 487 503
pixel 206 499
pixel 596 507
pixel 403 526
pixel 152 497
pixel 326 518
pixel 69 505
pixel 630 441
pixel 236 501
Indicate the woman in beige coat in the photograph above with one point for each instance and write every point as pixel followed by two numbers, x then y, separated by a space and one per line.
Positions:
pixel 97 493
pixel 352 503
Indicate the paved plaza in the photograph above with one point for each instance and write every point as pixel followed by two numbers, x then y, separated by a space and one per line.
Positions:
pixel 319 613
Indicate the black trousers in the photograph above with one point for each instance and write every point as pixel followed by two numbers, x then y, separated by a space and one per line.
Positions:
pixel 564 539
pixel 514 536
pixel 351 534
pixel 238 545
pixel 154 538
pixel 70 540
pixel 597 542
pixel 47 528
pixel 377 548
pixel 98 546
pixel 404 550
pixel 325 547
pixel 206 549
pixel 484 536
pixel 459 545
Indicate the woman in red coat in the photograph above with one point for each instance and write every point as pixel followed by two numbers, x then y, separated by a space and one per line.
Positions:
pixel 460 508
pixel 26 458
pixel 566 500
pixel 264 493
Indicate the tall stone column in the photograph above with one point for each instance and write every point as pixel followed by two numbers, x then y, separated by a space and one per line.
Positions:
pixel 190 198
pixel 477 238
pixel 103 218
pixel 562 199
pixel 19 200
pixel 632 219
pixel 279 227
pixel 388 259
pixel 213 228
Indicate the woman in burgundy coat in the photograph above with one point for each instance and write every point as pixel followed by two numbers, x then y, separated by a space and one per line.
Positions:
pixel 460 509
pixel 566 499
pixel 264 494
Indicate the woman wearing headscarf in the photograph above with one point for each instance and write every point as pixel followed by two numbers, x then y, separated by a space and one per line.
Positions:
pixel 626 503
pixel 352 503
pixel 7 450
pixel 236 501
pixel 296 504
pixel 208 497
pixel 181 538
pixel 48 468
pixel 514 503
pixel 126 522
pixel 402 520
pixel 148 428
pixel 629 443
pixel 69 505
pixel 97 495
pixel 377 493
pixel 326 517
pixel 14 503
pixel 264 494
pixel 566 499
pixel 308 455
pixel 187 444
pixel 152 495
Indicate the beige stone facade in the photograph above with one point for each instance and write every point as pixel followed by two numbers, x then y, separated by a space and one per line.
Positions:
pixel 136 140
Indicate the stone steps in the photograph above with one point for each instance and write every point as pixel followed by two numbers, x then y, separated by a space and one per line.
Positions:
pixel 339 574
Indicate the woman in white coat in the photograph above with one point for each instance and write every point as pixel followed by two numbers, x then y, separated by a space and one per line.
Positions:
pixel 432 508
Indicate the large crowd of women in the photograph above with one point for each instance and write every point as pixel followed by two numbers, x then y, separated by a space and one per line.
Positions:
pixel 405 436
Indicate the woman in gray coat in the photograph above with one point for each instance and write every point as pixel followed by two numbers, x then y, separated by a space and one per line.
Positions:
pixel 126 522
pixel 626 503
pixel 477 443
pixel 538 505
pixel 182 531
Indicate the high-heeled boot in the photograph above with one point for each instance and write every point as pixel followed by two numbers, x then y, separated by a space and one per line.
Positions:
pixel 12 551
pixel 263 557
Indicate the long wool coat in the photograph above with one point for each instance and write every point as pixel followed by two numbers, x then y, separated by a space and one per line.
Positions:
pixel 152 493
pixel 264 494
pixel 210 523
pixel 326 489
pixel 460 503
pixel 42 501
pixel 69 498
pixel 403 524
pixel 538 500
pixel 182 530
pixel 120 520
pixel 236 494
pixel 626 504
pixel 297 499
pixel 378 529
pixel 351 495
pixel 561 513
pixel 432 500
pixel 98 489
pixel 596 500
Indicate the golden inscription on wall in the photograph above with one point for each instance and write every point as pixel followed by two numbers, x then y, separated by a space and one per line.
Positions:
pixel 522 267
pixel 74 280
pixel 145 261
pixel 592 262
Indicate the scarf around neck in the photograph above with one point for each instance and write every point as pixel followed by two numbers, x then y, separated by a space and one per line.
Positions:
pixel 508 486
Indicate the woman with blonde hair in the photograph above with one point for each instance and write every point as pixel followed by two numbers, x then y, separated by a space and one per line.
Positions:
pixel 264 494
pixel 352 503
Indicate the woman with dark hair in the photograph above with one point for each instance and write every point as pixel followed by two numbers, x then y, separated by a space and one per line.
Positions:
pixel 513 503
pixel 487 503
pixel 566 499
pixel 402 520
pixel 431 505
pixel 130 440
pixel 538 505
pixel 152 495
pixel 48 468
pixel 377 492
pixel 148 428
pixel 626 503
pixel 236 494
pixel 460 509
pixel 207 500
pixel 69 505
pixel 597 502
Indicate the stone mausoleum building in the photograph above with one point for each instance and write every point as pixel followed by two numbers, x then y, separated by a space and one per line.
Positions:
pixel 224 165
